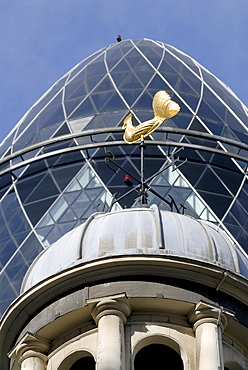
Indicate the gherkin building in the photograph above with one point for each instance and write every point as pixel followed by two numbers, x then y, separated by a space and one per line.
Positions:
pixel 66 159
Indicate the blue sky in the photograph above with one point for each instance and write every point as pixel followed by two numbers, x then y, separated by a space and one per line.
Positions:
pixel 40 40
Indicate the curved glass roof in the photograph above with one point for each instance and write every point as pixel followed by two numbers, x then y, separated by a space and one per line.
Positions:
pixel 53 171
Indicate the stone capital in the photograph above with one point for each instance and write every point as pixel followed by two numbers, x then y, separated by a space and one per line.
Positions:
pixel 117 305
pixel 207 313
pixel 30 346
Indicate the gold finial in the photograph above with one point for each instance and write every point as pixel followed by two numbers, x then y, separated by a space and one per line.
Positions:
pixel 163 108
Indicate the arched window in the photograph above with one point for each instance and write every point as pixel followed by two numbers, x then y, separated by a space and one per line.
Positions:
pixel 87 363
pixel 230 365
pixel 157 356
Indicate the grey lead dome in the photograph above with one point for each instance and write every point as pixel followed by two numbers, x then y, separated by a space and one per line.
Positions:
pixel 138 231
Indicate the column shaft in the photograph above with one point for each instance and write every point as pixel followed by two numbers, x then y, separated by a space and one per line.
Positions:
pixel 207 350
pixel 111 354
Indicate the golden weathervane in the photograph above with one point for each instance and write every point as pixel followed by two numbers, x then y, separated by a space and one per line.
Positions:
pixel 163 108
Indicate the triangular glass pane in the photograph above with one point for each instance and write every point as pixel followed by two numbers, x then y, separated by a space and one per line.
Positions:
pixel 114 103
pixel 70 197
pixel 173 62
pixel 144 76
pixel 102 98
pixel 191 100
pixel 78 78
pixel 63 130
pixel 121 67
pixel 70 105
pixel 130 82
pixel 144 45
pixel 57 117
pixel 96 67
pixel 114 118
pixel 81 204
pixel 206 113
pixel 197 126
pixel 69 215
pixel 79 91
pixel 130 95
pixel 233 122
pixel 144 102
pixel 105 85
pixel 125 46
pixel 85 109
pixel 157 84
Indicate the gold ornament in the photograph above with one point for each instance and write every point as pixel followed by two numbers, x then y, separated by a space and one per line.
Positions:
pixel 163 108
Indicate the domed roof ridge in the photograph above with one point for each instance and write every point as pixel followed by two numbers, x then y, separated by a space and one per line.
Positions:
pixel 138 232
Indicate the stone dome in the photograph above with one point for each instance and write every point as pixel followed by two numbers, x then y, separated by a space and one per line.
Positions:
pixel 138 231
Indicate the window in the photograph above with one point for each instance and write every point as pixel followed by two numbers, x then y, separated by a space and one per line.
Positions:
pixel 157 356
pixel 87 363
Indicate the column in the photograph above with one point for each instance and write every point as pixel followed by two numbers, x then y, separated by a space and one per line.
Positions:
pixel 209 322
pixel 30 353
pixel 110 315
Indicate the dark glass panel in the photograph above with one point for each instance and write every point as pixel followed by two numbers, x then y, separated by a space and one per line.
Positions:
pixel 114 103
pixel 64 175
pixel 189 61
pixel 45 188
pixel 192 171
pixel 81 91
pixel 238 211
pixel 211 80
pixel 16 269
pixel 57 117
pixel 84 110
pixel 144 101
pixel 157 84
pixel 81 204
pixel 37 209
pixel 206 113
pixel 26 186
pixel 191 100
pixel 7 249
pixel 74 88
pixel 197 126
pixel 63 130
pixel 6 143
pixel 233 122
pixel 130 95
pixel 6 296
pixel 233 103
pixel 210 182
pixel 92 82
pixel 215 127
pixel 101 99
pixel 130 82
pixel 166 69
pixel 4 233
pixel 18 222
pixel 95 69
pixel 9 202
pixel 70 105
pixel 31 248
pixel 242 240
pixel 230 179
pixel 121 67
pixel 105 85
pixel 218 203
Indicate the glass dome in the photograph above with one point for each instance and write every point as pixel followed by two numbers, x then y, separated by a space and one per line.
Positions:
pixel 53 170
